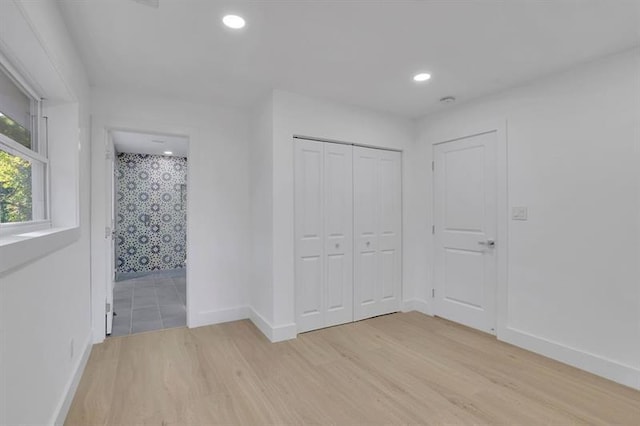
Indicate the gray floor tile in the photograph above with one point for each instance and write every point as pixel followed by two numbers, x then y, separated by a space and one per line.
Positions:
pixel 170 311
pixel 144 291
pixel 123 285
pixel 140 326
pixel 120 330
pixel 175 322
pixel 169 299
pixel 142 302
pixel 122 306
pixel 122 292
pixel 168 295
pixel 166 290
pixel 164 282
pixel 146 314
pixel 122 317
pixel 121 325
pixel 153 301
pixel 145 284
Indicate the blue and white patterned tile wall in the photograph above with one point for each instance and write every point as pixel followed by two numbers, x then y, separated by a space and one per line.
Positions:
pixel 151 213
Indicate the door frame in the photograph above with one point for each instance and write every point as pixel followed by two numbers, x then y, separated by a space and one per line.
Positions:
pixel 456 132
pixel 100 132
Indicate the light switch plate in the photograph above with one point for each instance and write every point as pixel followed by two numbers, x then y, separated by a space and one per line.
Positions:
pixel 519 213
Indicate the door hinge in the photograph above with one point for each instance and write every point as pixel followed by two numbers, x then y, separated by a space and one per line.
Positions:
pixel 107 307
pixel 107 232
pixel 433 166
pixel 433 293
pixel 433 229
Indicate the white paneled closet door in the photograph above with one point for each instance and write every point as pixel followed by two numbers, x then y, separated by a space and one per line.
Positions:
pixel 377 183
pixel 324 234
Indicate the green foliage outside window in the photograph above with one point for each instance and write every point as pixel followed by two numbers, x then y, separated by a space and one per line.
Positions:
pixel 15 131
pixel 15 189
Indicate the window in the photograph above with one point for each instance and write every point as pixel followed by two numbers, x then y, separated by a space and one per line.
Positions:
pixel 23 159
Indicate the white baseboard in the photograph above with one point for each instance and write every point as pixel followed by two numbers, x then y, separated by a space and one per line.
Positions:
pixel 418 305
pixel 609 369
pixel 274 334
pixel 61 412
pixel 220 316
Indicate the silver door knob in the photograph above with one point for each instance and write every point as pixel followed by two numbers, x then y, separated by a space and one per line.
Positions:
pixel 337 245
pixel 488 243
pixel 368 243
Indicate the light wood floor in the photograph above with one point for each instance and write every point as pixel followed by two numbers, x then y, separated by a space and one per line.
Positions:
pixel 395 369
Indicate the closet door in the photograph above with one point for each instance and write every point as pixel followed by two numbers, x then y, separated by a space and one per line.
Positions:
pixel 377 183
pixel 309 224
pixel 324 234
pixel 338 233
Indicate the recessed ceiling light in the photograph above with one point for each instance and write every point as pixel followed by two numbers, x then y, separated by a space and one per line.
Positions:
pixel 168 153
pixel 234 21
pixel 423 76
pixel 448 100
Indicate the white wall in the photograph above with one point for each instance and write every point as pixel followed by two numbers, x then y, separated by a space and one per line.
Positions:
pixel 218 211
pixel 261 170
pixel 44 304
pixel 573 160
pixel 304 116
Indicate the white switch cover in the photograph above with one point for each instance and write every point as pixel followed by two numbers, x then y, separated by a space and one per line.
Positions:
pixel 518 213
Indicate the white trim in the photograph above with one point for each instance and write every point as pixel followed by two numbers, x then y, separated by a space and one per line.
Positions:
pixel 273 333
pixel 220 316
pixel 612 370
pixel 16 76
pixel 15 228
pixel 60 414
pixel 18 150
pixel 315 139
pixel 417 305
pixel 500 127
pixel 16 250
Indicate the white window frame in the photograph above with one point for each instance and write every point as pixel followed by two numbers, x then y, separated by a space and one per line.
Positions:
pixel 37 154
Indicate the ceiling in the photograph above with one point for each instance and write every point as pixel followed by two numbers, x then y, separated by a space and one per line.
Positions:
pixel 360 52
pixel 144 143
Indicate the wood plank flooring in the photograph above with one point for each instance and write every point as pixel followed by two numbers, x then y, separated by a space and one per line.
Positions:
pixel 397 369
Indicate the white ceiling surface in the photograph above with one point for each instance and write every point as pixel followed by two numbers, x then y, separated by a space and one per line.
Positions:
pixel 354 51
pixel 142 143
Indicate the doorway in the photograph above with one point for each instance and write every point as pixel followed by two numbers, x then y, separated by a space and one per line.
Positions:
pixel 149 237
pixel 465 183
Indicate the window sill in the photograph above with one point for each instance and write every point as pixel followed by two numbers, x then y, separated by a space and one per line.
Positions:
pixel 16 250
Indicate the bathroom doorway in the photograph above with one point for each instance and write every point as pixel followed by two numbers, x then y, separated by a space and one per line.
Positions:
pixel 149 232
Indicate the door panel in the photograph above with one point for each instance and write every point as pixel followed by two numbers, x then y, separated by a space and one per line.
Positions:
pixel 309 271
pixel 465 209
pixel 310 274
pixel 324 234
pixel 377 224
pixel 338 233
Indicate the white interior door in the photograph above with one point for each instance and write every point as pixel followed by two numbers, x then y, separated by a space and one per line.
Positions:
pixel 309 273
pixel 465 225
pixel 338 233
pixel 110 230
pixel 324 234
pixel 377 182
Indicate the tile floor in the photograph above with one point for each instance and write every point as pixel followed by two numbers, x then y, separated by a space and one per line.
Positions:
pixel 150 302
